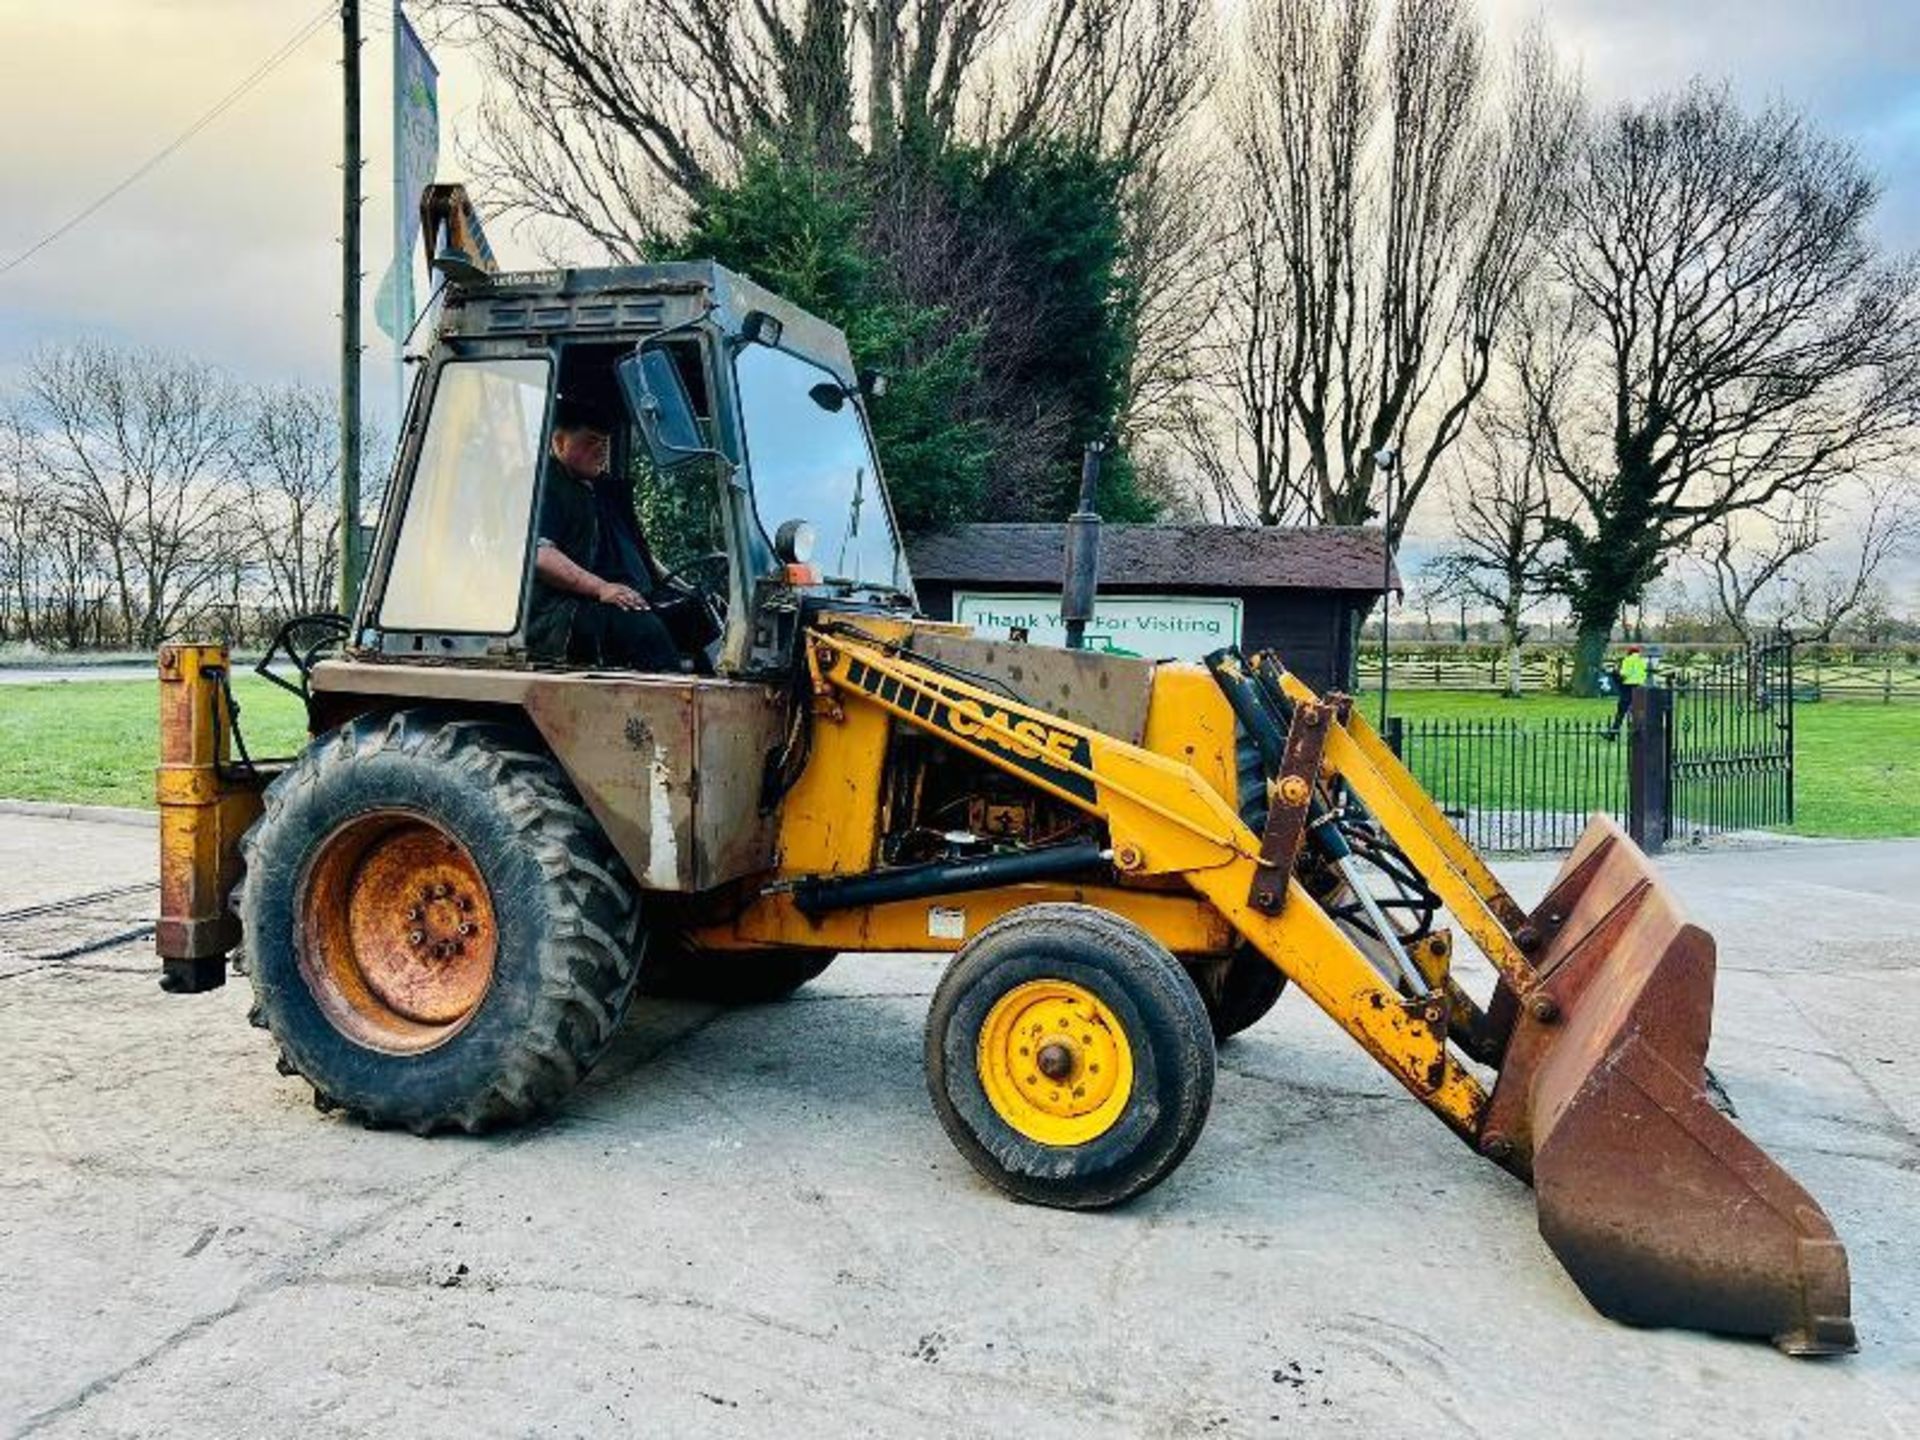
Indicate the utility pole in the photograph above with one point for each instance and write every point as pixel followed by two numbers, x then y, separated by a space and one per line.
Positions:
pixel 350 311
pixel 402 257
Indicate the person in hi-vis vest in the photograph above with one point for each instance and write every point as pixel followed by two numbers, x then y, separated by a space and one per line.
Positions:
pixel 1633 674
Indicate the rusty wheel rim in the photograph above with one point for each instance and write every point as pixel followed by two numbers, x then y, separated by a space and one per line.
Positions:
pixel 398 932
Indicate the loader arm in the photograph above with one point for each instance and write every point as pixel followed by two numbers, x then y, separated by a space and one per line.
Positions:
pixel 1662 1211
pixel 1164 819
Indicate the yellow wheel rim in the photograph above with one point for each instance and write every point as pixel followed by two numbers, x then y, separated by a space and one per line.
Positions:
pixel 1055 1063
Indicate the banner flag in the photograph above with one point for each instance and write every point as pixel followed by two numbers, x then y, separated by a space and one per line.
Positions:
pixel 416 154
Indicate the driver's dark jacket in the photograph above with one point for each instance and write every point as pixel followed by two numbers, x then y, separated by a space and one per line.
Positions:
pixel 592 523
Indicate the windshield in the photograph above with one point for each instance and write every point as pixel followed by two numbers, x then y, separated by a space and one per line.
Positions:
pixel 463 543
pixel 811 461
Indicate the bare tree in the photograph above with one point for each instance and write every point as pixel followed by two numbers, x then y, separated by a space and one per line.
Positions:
pixel 610 119
pixel 1397 184
pixel 1746 563
pixel 611 116
pixel 1174 270
pixel 140 445
pixel 53 571
pixel 1502 556
pixel 16 528
pixel 1190 448
pixel 289 497
pixel 1122 78
pixel 1730 339
pixel 1427 590
pixel 1792 570
pixel 1248 368
pixel 1208 395
pixel 1823 598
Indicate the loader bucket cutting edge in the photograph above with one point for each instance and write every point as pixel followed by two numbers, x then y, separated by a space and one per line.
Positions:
pixel 1662 1211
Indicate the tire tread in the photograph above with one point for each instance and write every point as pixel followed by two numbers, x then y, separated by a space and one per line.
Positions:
pixel 589 963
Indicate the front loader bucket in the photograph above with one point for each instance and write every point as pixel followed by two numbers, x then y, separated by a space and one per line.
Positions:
pixel 1662 1211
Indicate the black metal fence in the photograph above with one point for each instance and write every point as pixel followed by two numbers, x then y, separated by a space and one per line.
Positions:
pixel 1709 751
pixel 1511 784
pixel 1730 743
pixel 1882 674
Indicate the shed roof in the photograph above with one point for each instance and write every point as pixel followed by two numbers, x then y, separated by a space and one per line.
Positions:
pixel 1233 557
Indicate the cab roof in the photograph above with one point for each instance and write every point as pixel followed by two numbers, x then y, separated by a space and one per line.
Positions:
pixel 607 302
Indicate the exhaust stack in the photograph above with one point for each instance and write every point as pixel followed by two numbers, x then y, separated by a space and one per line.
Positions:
pixel 1082 580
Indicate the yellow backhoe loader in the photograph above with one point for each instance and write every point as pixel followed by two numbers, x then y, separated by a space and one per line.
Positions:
pixel 448 901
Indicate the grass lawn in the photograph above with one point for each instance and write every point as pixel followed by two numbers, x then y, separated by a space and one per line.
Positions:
pixel 1856 764
pixel 93 743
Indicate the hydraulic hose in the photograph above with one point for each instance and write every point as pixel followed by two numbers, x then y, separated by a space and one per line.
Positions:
pixel 947 877
pixel 1256 710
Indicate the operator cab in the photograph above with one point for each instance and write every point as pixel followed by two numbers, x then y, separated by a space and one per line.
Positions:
pixel 739 490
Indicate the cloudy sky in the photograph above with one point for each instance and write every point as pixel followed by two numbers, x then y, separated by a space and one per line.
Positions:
pixel 228 248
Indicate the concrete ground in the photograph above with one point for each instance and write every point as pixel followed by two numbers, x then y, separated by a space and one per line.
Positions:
pixel 751 1222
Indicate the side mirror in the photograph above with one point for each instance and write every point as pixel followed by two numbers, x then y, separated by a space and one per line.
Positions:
pixel 660 404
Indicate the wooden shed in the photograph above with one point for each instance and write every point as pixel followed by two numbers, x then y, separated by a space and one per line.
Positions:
pixel 1169 591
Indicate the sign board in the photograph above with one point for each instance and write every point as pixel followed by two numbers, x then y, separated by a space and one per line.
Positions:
pixel 1155 627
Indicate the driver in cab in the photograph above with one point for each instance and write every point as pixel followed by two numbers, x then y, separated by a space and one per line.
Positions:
pixel 593 577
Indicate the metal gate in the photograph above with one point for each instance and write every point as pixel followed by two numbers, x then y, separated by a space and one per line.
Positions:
pixel 1730 743
pixel 1519 785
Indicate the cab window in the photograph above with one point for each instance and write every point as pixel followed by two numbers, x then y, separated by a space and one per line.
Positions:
pixel 462 550
pixel 808 454
pixel 679 509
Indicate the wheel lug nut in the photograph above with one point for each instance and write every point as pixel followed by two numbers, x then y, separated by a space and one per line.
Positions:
pixel 465 902
pixel 413 912
pixel 416 938
pixel 466 927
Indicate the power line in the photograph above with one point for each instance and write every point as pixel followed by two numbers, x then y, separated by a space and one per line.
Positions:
pixel 226 103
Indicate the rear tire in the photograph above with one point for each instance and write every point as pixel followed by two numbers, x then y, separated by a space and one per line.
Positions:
pixel 1238 991
pixel 438 934
pixel 678 970
pixel 1100 1007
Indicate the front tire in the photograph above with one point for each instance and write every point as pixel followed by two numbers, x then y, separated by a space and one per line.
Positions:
pixel 438 934
pixel 1069 1057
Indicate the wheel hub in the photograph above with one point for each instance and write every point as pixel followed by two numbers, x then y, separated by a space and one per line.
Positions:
pixel 1055 1063
pixel 399 930
pixel 1056 1059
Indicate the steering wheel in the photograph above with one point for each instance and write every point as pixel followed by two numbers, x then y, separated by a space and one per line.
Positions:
pixel 701 585
pixel 703 575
